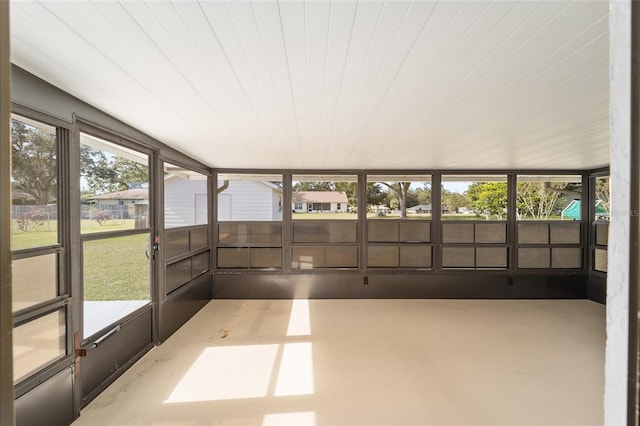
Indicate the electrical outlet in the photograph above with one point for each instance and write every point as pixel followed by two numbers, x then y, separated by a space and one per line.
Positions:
pixel 366 280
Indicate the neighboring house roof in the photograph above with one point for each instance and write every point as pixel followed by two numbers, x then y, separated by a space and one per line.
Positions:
pixel 264 182
pixel 129 194
pixel 573 210
pixel 424 207
pixel 271 185
pixel 20 195
pixel 380 207
pixel 319 197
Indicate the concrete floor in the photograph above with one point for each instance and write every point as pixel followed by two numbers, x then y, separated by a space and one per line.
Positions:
pixel 369 362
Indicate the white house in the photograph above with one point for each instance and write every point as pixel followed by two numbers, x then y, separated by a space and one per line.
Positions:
pixel 249 200
pixel 379 209
pixel 319 201
pixel 185 201
pixel 420 208
pixel 122 198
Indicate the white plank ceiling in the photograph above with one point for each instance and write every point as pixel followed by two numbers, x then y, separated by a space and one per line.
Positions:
pixel 337 85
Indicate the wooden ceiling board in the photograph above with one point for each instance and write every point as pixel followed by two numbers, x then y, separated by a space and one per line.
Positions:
pixel 337 85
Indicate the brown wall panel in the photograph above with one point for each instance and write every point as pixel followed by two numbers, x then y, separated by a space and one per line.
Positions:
pixel 565 233
pixel 458 257
pixel 533 257
pixel 50 403
pixel 200 264
pixel 177 275
pixel 307 257
pixel 418 256
pixel 566 257
pixel 199 238
pixel 600 261
pixel 232 257
pixel 308 232
pixel 341 257
pixel 415 231
pixel 491 257
pixel 341 232
pixel 457 232
pixel 382 230
pixel 533 233
pixel 114 356
pixel 233 233
pixel 266 257
pixel 176 243
pixel 270 233
pixel 602 234
pixel 383 256
pixel 487 233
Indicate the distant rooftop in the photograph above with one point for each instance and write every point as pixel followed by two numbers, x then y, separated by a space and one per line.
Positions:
pixel 319 197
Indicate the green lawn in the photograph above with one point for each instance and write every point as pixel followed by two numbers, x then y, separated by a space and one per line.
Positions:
pixel 397 216
pixel 352 216
pixel 44 235
pixel 116 269
pixel 449 217
pixel 47 234
pixel 90 226
pixel 325 216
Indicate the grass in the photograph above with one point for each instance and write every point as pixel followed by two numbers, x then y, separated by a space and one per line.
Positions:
pixel 397 216
pixel 351 216
pixel 116 269
pixel 91 226
pixel 325 216
pixel 47 233
pixel 450 217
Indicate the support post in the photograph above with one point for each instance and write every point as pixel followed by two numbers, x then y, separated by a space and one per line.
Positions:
pixel 7 416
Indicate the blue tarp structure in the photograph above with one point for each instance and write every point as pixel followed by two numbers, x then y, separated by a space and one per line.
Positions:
pixel 572 211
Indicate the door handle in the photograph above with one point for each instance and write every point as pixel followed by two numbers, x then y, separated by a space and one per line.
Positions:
pixel 83 351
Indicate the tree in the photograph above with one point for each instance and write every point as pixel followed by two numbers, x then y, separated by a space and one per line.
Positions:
pixel 603 194
pixel 539 200
pixel 490 198
pixel 35 170
pixel 423 195
pixel 453 201
pixel 351 189
pixel 401 190
pixel 314 186
pixel 34 163
pixel 104 172
pixel 535 201
pixel 94 168
pixel 375 194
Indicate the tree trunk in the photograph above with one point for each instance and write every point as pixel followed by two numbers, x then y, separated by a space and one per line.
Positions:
pixel 43 198
pixel 401 189
pixel 404 189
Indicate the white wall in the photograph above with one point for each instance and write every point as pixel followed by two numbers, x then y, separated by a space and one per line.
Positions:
pixel 183 204
pixel 615 396
pixel 276 203
pixel 247 200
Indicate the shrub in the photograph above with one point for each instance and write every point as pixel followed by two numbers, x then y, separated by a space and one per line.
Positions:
pixel 32 219
pixel 100 216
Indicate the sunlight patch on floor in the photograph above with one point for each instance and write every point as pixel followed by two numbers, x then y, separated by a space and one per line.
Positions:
pixel 299 322
pixel 227 372
pixel 300 418
pixel 296 370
